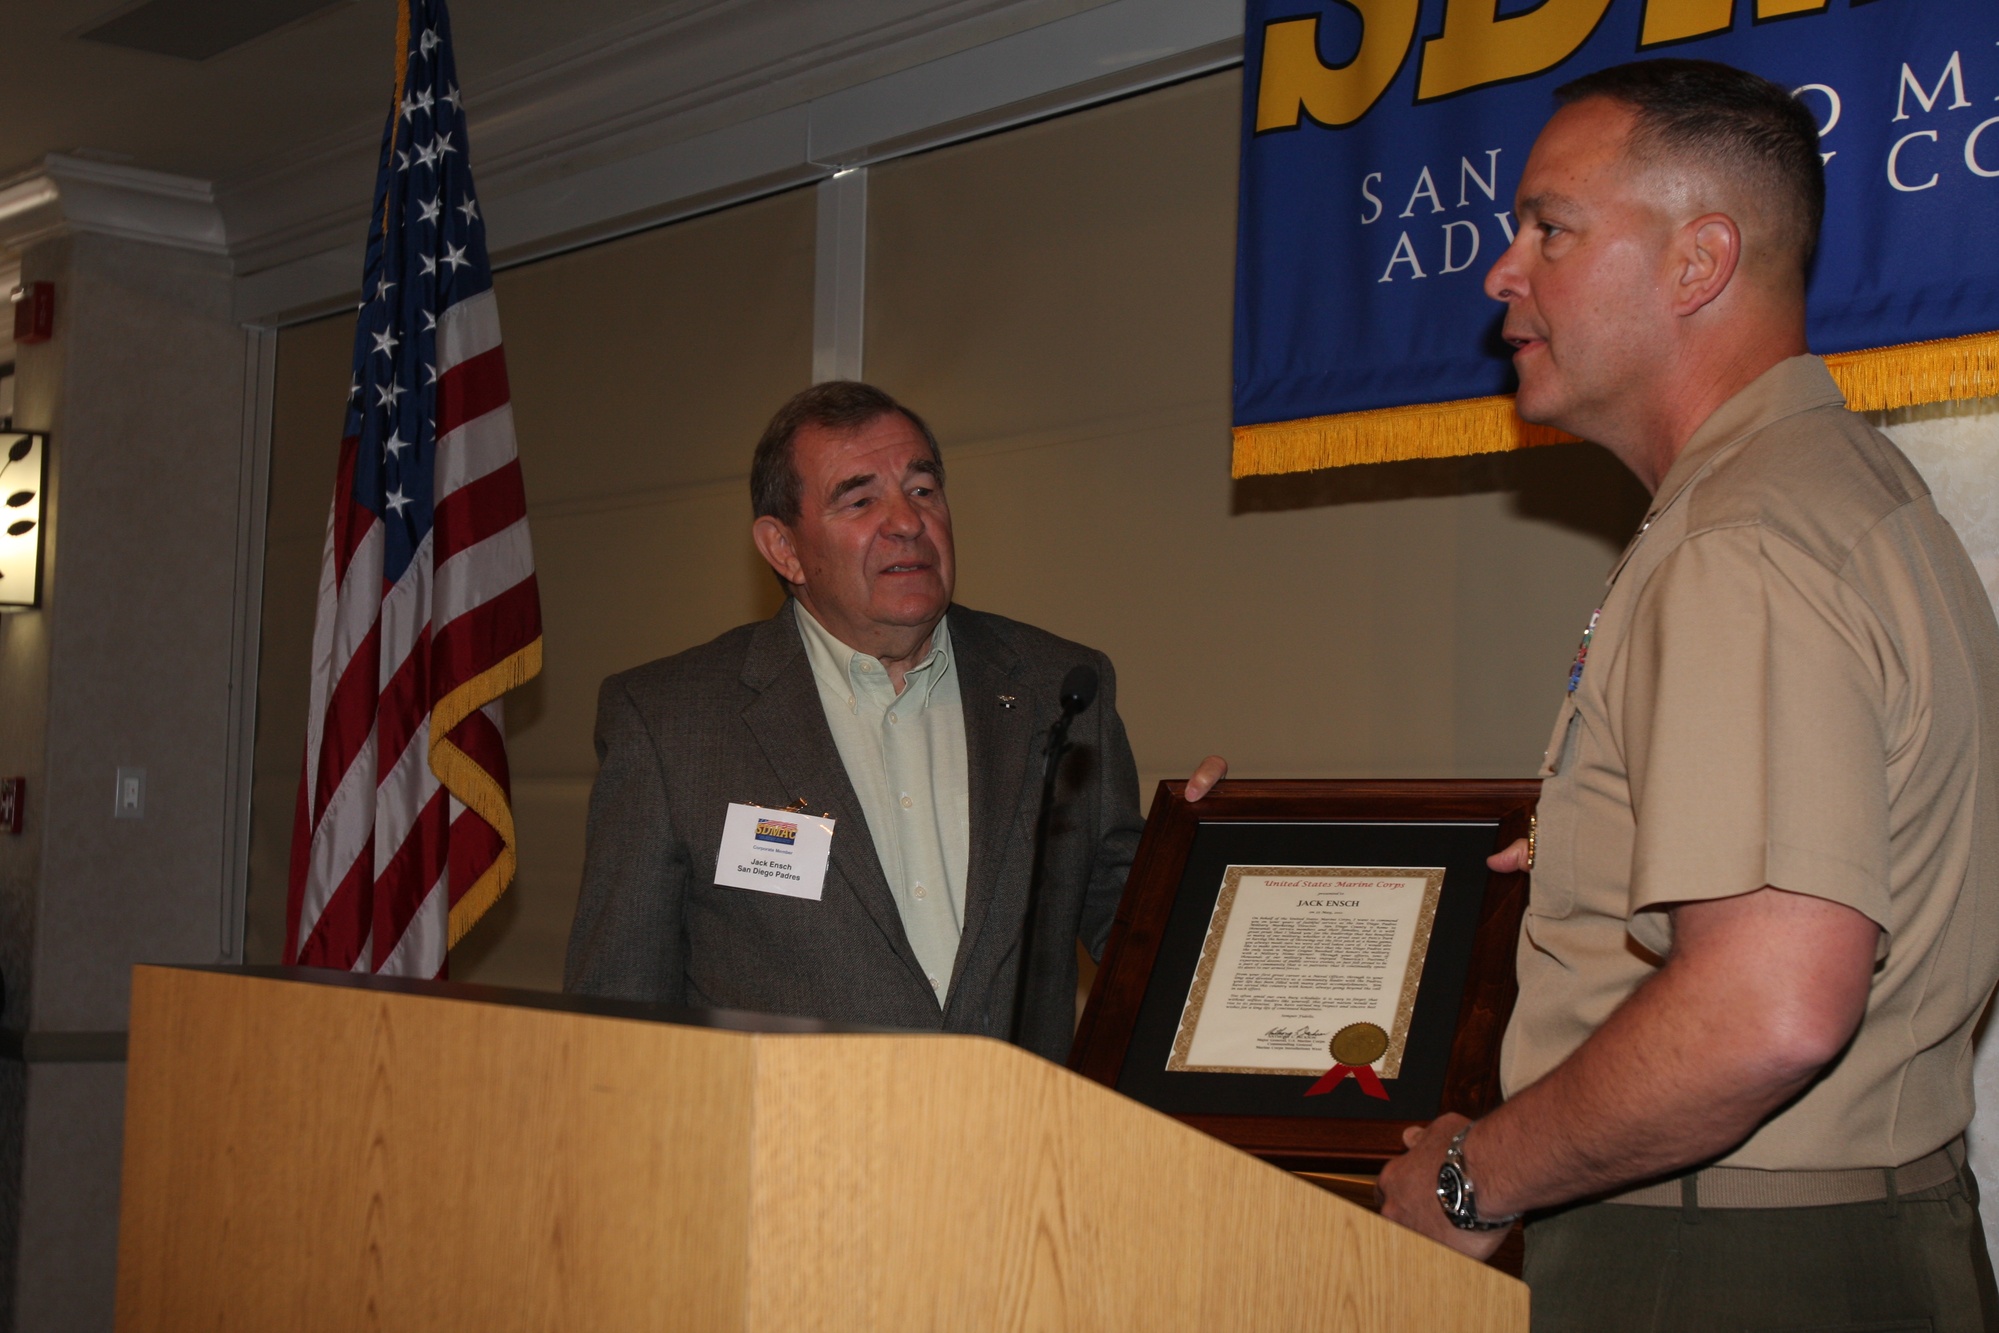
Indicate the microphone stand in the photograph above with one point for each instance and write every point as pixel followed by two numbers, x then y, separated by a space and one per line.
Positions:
pixel 1079 690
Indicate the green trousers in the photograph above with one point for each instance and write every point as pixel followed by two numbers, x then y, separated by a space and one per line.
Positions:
pixel 1914 1262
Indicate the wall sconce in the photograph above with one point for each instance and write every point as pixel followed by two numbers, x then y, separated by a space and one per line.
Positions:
pixel 24 467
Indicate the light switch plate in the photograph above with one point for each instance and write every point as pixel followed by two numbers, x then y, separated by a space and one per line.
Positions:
pixel 129 801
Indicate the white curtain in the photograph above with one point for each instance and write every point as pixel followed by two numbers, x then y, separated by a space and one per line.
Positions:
pixel 1956 447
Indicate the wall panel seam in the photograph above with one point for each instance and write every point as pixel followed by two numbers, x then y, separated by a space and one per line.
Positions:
pixel 239 756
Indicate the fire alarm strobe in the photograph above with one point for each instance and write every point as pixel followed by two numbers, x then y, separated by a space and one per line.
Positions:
pixel 34 312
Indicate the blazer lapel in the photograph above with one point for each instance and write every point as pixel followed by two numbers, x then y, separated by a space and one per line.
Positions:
pixel 999 741
pixel 789 723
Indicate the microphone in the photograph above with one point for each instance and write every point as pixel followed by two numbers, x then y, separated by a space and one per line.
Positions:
pixel 1079 691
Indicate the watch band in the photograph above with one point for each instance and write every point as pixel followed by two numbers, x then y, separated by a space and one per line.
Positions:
pixel 1459 1196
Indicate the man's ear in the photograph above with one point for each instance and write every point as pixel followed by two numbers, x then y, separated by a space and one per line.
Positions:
pixel 1709 250
pixel 773 541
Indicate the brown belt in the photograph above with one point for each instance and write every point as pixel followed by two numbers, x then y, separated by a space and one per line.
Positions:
pixel 1746 1187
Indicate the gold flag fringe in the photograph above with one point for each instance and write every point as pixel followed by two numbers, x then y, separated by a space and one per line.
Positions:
pixel 1882 377
pixel 396 102
pixel 479 790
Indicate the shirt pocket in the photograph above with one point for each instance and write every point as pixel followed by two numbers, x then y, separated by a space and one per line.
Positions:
pixel 1554 759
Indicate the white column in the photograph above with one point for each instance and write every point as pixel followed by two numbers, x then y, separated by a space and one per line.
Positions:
pixel 136 658
pixel 839 311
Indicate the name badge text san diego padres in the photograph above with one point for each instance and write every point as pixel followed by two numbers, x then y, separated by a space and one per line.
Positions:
pixel 774 851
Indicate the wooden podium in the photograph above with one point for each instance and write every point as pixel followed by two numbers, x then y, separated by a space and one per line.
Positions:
pixel 308 1150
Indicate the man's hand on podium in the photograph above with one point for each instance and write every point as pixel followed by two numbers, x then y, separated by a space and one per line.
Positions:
pixel 1408 1186
pixel 1210 771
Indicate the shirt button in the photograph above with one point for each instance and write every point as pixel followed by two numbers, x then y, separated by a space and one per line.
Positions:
pixel 922 892
pixel 892 719
pixel 906 802
pixel 867 666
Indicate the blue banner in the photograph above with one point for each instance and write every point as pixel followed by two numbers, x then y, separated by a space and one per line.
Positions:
pixel 1383 140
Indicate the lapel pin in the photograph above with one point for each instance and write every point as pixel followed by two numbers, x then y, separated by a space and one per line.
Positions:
pixel 1008 700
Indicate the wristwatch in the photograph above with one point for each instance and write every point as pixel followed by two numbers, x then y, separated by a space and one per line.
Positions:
pixel 1456 1193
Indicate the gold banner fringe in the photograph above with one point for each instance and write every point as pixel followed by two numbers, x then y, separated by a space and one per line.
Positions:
pixel 474 786
pixel 1883 377
pixel 1387 435
pixel 1942 371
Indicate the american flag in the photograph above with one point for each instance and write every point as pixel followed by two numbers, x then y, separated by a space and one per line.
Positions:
pixel 428 611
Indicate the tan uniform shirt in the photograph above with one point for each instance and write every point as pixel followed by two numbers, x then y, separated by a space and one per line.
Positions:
pixel 1789 683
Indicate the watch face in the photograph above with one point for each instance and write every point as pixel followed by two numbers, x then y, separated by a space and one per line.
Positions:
pixel 1451 1188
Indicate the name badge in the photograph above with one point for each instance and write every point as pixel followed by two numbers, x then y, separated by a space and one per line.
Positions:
pixel 774 851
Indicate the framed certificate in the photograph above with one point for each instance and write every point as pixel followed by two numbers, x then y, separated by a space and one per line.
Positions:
pixel 1294 953
pixel 1305 968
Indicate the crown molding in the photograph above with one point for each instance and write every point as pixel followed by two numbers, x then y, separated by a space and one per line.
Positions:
pixel 30 208
pixel 708 103
pixel 69 194
pixel 676 74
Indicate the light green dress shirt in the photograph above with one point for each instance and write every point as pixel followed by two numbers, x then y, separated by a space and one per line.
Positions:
pixel 905 755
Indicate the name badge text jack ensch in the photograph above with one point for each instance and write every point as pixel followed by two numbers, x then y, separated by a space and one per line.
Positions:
pixel 774 851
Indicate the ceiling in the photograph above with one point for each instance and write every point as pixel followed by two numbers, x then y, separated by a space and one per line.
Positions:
pixel 328 74
pixel 245 109
pixel 589 118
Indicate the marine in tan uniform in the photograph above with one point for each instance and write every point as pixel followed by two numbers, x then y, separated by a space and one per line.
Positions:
pixel 1764 918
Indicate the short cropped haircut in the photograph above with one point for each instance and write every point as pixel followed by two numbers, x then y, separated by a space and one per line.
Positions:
pixel 836 405
pixel 1719 116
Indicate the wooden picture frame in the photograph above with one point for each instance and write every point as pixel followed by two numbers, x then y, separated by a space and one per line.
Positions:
pixel 1117 1042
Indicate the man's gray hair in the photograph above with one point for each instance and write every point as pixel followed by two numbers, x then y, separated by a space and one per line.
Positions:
pixel 836 405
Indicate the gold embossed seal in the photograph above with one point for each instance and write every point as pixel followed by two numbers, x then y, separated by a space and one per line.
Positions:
pixel 1358 1045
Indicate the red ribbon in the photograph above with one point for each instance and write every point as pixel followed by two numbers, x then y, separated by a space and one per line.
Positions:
pixel 1370 1082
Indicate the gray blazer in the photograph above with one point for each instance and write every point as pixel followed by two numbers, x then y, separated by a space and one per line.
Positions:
pixel 739 719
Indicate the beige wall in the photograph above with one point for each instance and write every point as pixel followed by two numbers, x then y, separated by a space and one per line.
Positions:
pixel 1056 300
pixel 306 409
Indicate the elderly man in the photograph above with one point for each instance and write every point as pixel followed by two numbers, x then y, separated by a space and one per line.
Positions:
pixel 917 725
pixel 1765 909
